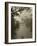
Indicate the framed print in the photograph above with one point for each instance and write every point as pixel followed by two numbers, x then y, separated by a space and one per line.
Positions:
pixel 20 22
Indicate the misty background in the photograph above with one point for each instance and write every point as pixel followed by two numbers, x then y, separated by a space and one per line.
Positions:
pixel 21 22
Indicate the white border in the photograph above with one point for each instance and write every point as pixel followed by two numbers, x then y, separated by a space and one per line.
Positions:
pixel 9 23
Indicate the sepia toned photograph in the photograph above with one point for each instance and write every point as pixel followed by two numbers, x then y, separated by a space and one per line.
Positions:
pixel 20 22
